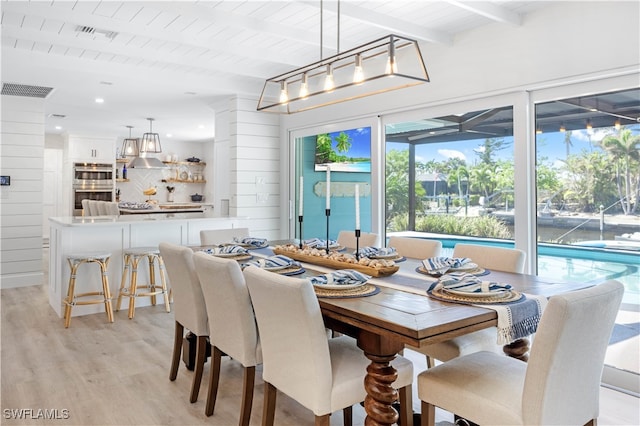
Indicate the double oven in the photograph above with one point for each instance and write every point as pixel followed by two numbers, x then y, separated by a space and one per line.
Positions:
pixel 92 181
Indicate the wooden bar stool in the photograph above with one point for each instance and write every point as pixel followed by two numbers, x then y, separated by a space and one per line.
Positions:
pixel 132 257
pixel 75 260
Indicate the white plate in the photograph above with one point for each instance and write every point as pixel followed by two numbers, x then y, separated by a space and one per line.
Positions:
pixel 341 286
pixel 466 267
pixel 276 268
pixel 495 293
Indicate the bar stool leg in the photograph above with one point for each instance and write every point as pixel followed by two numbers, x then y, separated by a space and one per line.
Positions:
pixel 133 287
pixel 163 280
pixel 105 289
pixel 123 281
pixel 152 277
pixel 70 292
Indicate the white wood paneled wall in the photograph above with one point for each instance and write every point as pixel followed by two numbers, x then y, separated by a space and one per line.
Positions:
pixel 21 203
pixel 254 152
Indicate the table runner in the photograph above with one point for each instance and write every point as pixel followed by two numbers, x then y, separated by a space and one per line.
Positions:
pixel 521 320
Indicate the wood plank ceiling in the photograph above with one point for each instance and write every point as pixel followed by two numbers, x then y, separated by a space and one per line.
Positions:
pixel 173 60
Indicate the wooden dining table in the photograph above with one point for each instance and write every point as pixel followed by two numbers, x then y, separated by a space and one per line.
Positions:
pixel 402 313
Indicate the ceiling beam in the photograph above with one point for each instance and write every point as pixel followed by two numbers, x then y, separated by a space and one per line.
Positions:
pixel 489 11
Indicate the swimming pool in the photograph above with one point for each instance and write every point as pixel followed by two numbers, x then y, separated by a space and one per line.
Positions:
pixel 569 263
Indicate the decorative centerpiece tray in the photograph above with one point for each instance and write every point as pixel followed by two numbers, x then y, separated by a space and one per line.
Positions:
pixel 336 264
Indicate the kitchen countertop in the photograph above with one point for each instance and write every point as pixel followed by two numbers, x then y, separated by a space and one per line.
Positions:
pixel 169 208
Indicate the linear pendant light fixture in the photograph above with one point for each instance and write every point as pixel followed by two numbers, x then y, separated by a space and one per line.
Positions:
pixel 389 63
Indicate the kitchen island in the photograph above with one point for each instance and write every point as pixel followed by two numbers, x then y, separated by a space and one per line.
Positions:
pixel 114 234
pixel 166 208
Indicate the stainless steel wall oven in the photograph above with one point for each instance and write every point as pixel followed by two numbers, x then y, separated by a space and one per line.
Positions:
pixel 92 181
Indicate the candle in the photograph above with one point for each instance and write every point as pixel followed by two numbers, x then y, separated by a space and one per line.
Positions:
pixel 328 187
pixel 300 197
pixel 357 206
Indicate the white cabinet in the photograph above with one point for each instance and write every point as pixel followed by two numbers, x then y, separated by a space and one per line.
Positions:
pixel 91 149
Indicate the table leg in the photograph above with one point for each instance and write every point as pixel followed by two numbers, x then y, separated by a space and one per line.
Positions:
pixel 518 349
pixel 380 392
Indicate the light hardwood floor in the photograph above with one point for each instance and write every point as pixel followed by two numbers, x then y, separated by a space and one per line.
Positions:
pixel 117 374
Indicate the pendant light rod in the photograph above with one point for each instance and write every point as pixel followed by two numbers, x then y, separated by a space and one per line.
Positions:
pixel 338 41
pixel 321 29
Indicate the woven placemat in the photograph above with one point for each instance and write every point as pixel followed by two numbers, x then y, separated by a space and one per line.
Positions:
pixel 291 270
pixel 395 259
pixel 440 294
pixel 476 271
pixel 239 257
pixel 362 291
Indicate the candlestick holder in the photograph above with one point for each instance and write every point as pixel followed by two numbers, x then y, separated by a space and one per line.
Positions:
pixel 357 244
pixel 327 212
pixel 300 233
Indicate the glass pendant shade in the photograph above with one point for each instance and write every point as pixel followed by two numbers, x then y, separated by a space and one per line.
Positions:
pixel 150 142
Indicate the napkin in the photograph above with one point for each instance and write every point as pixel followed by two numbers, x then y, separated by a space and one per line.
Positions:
pixel 372 252
pixel 319 243
pixel 231 249
pixel 440 265
pixel 340 277
pixel 272 262
pixel 258 242
pixel 471 284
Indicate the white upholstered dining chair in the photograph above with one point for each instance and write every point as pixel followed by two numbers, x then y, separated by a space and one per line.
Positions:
pixel 189 309
pixel 560 384
pixel 492 258
pixel 348 239
pixel 213 237
pixel 232 325
pixel 324 375
pixel 416 248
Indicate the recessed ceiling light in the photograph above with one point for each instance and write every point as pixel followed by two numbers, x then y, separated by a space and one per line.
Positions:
pixel 99 100
pixel 169 135
pixel 201 126
pixel 58 127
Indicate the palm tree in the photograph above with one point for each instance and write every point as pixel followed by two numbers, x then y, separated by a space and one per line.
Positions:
pixel 343 142
pixel 624 148
pixel 567 141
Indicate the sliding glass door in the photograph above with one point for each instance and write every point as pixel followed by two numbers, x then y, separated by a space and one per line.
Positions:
pixel 451 177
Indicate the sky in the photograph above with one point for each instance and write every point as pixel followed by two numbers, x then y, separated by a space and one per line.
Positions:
pixel 360 142
pixel 550 145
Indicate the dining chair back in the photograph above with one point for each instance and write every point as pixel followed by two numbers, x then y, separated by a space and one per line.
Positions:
pixel 189 309
pixel 417 248
pixel 214 237
pixel 496 258
pixel 111 208
pixel 93 208
pixel 560 384
pixel 324 375
pixel 492 258
pixel 85 208
pixel 348 239
pixel 232 325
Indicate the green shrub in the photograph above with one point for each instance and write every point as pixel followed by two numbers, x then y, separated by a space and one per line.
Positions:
pixel 480 226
